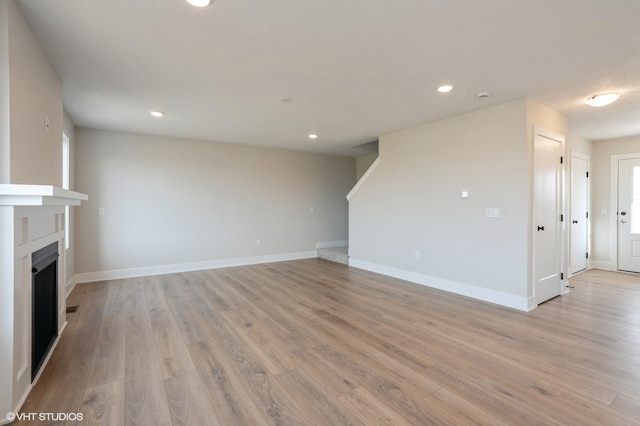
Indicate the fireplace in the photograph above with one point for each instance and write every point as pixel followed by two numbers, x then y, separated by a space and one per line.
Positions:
pixel 32 316
pixel 44 313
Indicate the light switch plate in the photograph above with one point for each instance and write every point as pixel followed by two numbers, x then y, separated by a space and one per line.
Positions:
pixel 493 212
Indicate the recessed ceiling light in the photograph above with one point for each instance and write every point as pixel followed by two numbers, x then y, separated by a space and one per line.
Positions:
pixel 199 3
pixel 313 136
pixel 602 100
pixel 444 89
pixel 157 113
pixel 285 100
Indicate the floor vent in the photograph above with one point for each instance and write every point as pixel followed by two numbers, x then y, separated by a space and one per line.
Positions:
pixel 72 309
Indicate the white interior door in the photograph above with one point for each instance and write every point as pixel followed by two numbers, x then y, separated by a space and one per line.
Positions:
pixel 547 211
pixel 579 220
pixel 629 215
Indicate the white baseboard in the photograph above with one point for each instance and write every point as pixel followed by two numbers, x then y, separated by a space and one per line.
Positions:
pixel 331 244
pixel 87 277
pixel 607 266
pixel 487 295
pixel 70 286
pixel 531 304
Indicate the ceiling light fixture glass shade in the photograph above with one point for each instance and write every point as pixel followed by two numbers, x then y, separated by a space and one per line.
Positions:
pixel 602 100
pixel 157 113
pixel 313 136
pixel 199 3
pixel 444 89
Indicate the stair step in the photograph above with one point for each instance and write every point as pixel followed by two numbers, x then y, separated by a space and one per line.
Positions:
pixel 335 254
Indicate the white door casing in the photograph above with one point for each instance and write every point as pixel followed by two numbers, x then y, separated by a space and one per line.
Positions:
pixel 579 218
pixel 547 211
pixel 628 215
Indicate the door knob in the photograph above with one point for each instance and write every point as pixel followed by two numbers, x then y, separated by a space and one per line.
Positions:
pixel 623 213
pixel 575 221
pixel 540 228
pixel 624 221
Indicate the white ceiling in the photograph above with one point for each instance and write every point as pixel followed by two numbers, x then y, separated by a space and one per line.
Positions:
pixel 355 69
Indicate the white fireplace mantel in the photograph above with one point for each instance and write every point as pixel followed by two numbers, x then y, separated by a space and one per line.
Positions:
pixel 38 195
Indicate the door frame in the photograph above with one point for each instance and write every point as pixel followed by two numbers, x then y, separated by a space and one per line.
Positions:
pixel 561 238
pixel 613 207
pixel 587 158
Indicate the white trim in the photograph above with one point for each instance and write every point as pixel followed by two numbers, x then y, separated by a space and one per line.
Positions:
pixel 587 158
pixel 332 244
pixel 39 195
pixel 117 274
pixel 71 284
pixel 613 207
pixel 599 264
pixel 582 271
pixel 561 200
pixel 499 298
pixel 364 177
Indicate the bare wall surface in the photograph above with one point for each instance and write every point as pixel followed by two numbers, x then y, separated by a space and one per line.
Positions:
pixel 5 169
pixel 410 215
pixel 413 201
pixel 363 164
pixel 170 201
pixel 35 92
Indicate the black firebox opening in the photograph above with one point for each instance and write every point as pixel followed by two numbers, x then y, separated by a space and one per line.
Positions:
pixel 44 324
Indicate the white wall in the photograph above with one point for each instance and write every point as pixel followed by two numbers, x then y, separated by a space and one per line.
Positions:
pixel 5 148
pixel 579 144
pixel 36 91
pixel 412 202
pixel 171 201
pixel 363 164
pixel 602 255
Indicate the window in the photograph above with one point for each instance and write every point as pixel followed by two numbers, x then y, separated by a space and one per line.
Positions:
pixel 65 185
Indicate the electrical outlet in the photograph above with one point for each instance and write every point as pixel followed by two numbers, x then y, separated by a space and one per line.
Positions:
pixel 101 211
pixel 417 254
pixel 258 242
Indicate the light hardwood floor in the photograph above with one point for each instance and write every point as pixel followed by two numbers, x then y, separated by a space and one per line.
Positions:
pixel 315 343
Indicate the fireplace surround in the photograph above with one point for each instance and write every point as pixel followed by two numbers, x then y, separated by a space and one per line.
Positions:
pixel 31 218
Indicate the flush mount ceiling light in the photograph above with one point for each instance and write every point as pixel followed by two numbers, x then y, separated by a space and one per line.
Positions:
pixel 313 136
pixel 445 88
pixel 602 100
pixel 199 3
pixel 157 114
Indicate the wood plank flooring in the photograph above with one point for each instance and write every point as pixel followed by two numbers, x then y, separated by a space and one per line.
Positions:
pixel 310 342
